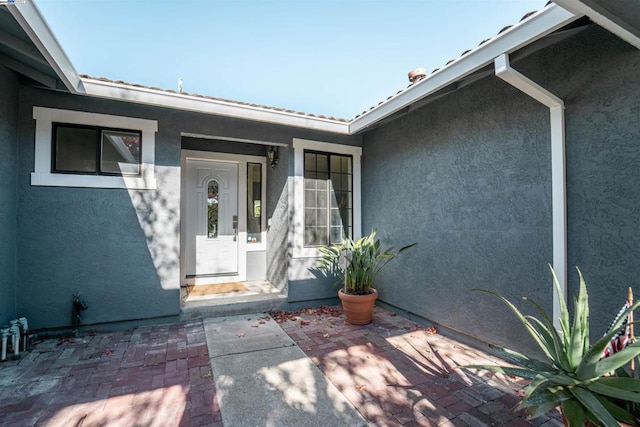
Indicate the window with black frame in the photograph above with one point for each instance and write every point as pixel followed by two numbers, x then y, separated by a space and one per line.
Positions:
pixel 328 198
pixel 94 150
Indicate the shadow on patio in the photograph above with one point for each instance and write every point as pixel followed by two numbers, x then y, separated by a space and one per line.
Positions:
pixel 148 376
pixel 397 372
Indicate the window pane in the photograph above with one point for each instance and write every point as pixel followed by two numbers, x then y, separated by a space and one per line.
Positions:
pixel 254 202
pixel 337 234
pixel 321 199
pixel 346 164
pixel 120 152
pixel 322 164
pixel 75 149
pixel 310 199
pixel 212 210
pixel 309 162
pixel 314 236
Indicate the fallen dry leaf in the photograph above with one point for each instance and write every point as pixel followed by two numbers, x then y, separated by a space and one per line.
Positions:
pixel 431 330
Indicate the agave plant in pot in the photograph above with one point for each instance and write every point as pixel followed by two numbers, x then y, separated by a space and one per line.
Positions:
pixel 588 387
pixel 356 264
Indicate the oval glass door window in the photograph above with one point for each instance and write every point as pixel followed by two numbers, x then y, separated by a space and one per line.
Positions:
pixel 212 209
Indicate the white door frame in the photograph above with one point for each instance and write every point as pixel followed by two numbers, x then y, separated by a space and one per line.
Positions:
pixel 243 246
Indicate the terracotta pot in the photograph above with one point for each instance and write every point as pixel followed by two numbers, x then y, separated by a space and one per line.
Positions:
pixel 358 309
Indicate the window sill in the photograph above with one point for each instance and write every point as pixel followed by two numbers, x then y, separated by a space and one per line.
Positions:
pixel 92 181
pixel 304 252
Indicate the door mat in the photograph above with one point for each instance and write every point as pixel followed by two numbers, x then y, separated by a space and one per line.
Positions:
pixel 217 288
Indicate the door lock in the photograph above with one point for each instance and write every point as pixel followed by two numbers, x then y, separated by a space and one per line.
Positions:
pixel 235 227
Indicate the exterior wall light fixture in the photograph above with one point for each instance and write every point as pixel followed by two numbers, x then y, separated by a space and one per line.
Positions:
pixel 272 155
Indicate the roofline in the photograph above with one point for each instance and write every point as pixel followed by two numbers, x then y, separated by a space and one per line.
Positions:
pixel 548 20
pixel 599 17
pixel 160 98
pixel 33 23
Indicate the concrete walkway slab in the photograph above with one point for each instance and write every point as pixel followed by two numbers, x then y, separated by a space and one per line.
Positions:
pixel 263 378
pixel 243 333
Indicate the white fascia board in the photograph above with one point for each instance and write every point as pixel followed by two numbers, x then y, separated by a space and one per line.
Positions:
pixel 578 7
pixel 550 19
pixel 183 102
pixel 32 22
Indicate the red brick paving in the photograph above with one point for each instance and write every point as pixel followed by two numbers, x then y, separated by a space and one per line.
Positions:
pixel 149 376
pixel 393 371
pixel 397 373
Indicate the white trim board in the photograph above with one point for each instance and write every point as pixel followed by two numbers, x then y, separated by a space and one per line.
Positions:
pixel 296 192
pixel 550 19
pixel 184 102
pixel 42 175
pixel 33 23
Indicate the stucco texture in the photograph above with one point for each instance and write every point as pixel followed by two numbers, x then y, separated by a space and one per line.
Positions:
pixel 121 248
pixel 469 179
pixel 9 89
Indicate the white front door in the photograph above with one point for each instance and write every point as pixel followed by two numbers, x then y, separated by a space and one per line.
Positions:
pixel 212 218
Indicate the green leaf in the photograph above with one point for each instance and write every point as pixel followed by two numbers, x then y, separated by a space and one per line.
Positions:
pixel 617 411
pixel 595 408
pixel 580 330
pixel 564 312
pixel 573 412
pixel 532 331
pixel 610 364
pixel 595 352
pixel 545 396
pixel 554 342
pixel 536 411
pixel 626 383
pixel 615 392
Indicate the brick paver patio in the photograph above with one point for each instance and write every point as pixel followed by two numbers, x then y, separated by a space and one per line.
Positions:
pixel 394 371
pixel 149 376
pixel 397 372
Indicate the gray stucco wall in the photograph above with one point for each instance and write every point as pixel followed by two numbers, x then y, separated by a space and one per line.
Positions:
pixel 479 198
pixel 121 248
pixel 468 178
pixel 9 88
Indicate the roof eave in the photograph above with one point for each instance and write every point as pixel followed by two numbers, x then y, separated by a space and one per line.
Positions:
pixel 147 96
pixel 548 20
pixel 33 23
pixel 605 19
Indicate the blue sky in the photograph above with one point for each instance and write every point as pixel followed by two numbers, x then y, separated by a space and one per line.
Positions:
pixel 335 58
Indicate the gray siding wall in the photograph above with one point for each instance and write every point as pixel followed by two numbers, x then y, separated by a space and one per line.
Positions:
pixel 474 173
pixel 9 88
pixel 120 248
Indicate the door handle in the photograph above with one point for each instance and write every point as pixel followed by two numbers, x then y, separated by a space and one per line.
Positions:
pixel 234 224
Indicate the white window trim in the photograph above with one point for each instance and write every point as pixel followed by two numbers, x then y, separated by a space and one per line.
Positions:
pixel 42 175
pixel 296 197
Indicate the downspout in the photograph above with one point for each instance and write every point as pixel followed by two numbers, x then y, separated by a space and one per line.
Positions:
pixel 558 169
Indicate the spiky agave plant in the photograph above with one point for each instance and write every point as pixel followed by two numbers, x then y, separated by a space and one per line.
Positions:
pixel 574 376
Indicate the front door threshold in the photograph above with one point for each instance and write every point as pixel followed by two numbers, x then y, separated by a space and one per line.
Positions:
pixel 259 297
